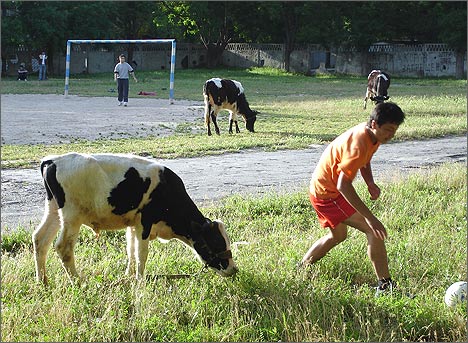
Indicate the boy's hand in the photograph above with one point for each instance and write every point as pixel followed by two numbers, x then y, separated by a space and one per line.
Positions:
pixel 374 191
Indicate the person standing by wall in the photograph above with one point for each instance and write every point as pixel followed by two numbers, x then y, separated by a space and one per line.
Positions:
pixel 42 66
pixel 121 72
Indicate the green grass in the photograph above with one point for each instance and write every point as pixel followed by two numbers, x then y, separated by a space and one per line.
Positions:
pixel 295 111
pixel 268 300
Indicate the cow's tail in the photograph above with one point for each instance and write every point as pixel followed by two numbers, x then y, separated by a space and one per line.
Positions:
pixel 51 184
pixel 208 107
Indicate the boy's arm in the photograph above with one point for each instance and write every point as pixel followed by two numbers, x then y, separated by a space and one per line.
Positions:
pixel 345 187
pixel 373 189
pixel 134 77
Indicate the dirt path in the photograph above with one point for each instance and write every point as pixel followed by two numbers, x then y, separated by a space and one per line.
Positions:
pixel 207 179
pixel 211 178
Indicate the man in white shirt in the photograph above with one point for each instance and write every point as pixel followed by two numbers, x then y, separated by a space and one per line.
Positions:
pixel 121 72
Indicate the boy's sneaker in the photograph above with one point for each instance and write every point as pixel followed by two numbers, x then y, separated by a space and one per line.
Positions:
pixel 385 286
pixel 125 104
pixel 120 103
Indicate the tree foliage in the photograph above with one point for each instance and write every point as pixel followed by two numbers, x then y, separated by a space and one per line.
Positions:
pixel 48 24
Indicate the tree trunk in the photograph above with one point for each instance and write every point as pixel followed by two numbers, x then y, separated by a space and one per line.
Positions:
pixel 214 53
pixel 460 57
pixel 365 67
pixel 287 56
pixel 290 27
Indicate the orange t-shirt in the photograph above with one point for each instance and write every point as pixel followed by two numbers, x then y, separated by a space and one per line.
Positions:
pixel 348 153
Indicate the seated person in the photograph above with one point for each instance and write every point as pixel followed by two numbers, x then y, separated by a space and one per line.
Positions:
pixel 22 72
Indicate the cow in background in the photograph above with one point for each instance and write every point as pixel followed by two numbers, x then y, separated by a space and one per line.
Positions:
pixel 377 86
pixel 222 94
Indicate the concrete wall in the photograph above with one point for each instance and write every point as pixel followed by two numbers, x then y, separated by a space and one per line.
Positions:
pixel 433 60
pixel 245 55
pixel 92 59
pixel 420 60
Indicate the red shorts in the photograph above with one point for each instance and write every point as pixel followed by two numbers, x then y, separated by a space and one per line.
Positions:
pixel 331 212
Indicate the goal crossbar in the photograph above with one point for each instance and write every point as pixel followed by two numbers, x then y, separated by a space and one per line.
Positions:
pixel 122 41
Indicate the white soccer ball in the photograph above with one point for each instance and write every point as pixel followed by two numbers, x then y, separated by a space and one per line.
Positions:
pixel 456 293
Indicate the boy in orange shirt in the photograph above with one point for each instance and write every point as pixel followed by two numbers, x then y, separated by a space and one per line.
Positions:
pixel 334 198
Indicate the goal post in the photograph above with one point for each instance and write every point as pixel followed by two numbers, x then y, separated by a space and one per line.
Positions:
pixel 122 41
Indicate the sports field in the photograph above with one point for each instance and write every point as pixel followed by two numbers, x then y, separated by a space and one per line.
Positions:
pixel 269 300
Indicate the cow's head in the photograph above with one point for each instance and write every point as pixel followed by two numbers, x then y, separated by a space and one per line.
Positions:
pixel 250 121
pixel 212 245
pixel 379 98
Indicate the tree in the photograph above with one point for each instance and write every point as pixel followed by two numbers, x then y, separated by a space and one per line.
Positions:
pixel 30 25
pixel 132 20
pixel 290 12
pixel 48 24
pixel 209 21
pixel 451 29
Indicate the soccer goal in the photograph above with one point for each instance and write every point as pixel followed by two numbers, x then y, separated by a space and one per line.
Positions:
pixel 119 41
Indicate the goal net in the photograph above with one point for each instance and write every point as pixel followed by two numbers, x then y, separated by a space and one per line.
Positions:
pixel 84 60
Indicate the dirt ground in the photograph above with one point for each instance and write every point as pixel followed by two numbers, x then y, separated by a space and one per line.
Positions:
pixel 48 118
pixel 53 118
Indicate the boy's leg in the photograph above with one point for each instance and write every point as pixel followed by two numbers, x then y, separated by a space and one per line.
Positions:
pixel 125 90
pixel 375 246
pixel 321 247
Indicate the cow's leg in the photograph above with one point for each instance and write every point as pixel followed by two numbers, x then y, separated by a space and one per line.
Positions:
pixel 233 120
pixel 65 244
pixel 141 253
pixel 207 115
pixel 365 98
pixel 213 119
pixel 131 238
pixel 43 236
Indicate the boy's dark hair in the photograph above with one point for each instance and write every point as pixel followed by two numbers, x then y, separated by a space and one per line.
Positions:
pixel 387 112
pixel 122 55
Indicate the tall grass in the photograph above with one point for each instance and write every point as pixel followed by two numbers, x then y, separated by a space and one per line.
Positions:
pixel 295 111
pixel 269 299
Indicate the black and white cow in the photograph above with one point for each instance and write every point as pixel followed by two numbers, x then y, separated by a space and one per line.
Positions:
pixel 377 86
pixel 222 94
pixel 114 191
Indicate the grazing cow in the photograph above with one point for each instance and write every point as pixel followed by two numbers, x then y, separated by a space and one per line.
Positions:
pixel 114 191
pixel 377 87
pixel 229 95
